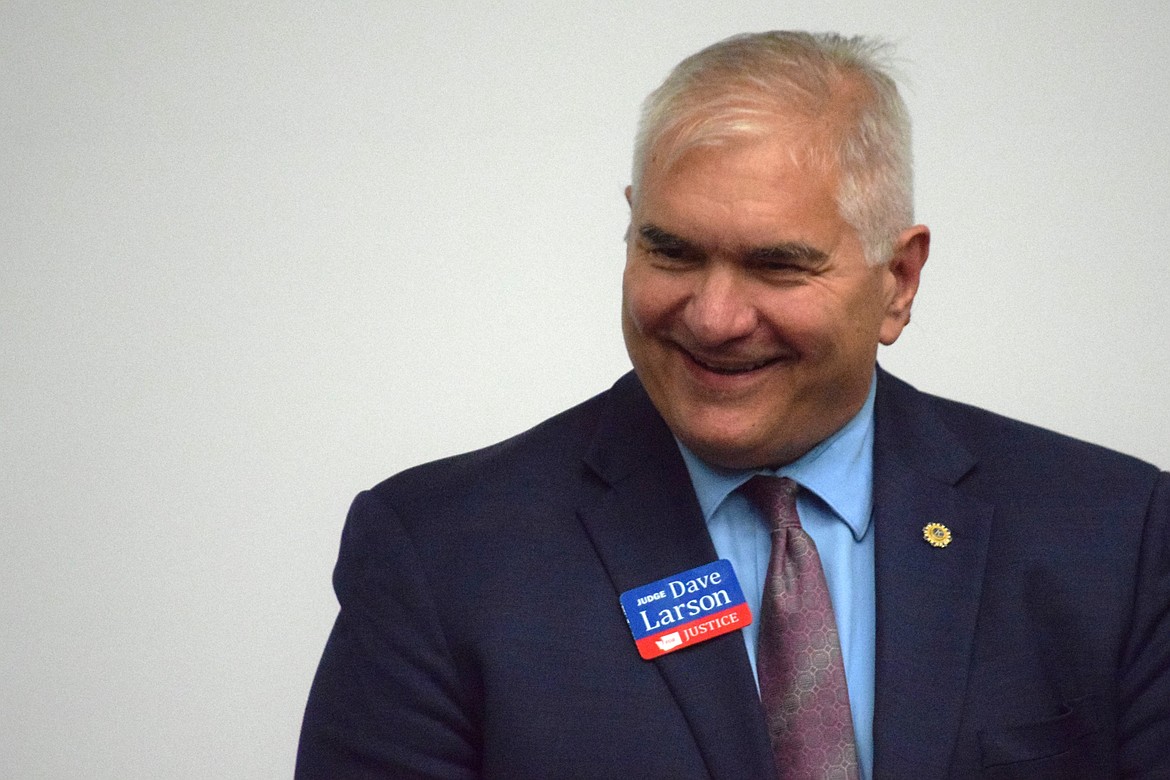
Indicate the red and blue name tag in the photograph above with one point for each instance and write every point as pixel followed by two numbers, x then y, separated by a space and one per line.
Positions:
pixel 685 609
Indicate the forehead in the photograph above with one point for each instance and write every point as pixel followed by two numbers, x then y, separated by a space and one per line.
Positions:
pixel 805 137
pixel 754 189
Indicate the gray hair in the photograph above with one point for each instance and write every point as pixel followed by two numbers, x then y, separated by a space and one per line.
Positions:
pixel 742 86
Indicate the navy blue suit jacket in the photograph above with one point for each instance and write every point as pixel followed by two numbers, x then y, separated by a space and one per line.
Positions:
pixel 480 633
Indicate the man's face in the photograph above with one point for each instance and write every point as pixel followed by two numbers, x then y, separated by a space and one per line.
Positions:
pixel 749 311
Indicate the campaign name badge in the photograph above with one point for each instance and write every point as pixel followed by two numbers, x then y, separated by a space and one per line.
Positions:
pixel 686 609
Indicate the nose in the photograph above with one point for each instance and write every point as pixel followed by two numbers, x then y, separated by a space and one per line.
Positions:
pixel 720 308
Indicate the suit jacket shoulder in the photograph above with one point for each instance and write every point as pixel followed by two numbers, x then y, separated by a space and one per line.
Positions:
pixel 1018 454
pixel 480 632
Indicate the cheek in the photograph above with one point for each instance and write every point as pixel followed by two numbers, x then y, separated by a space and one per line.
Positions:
pixel 801 320
pixel 647 301
pixel 858 333
pixel 825 321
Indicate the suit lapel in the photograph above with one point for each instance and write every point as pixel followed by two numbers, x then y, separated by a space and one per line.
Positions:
pixel 646 524
pixel 927 597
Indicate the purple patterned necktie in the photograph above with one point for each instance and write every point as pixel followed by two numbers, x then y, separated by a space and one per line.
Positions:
pixel 802 676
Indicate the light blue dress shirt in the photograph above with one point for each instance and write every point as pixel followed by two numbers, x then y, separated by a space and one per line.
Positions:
pixel 835 509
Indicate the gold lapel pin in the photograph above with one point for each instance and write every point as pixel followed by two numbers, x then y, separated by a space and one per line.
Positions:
pixel 937 534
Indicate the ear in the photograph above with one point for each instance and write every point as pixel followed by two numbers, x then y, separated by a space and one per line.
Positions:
pixel 902 274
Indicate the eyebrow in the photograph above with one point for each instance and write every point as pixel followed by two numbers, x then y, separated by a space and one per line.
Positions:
pixel 664 240
pixel 791 251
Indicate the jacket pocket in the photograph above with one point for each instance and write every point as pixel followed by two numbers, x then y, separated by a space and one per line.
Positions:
pixel 1025 746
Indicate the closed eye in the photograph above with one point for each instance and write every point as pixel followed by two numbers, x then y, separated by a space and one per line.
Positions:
pixel 788 257
pixel 668 246
pixel 667 250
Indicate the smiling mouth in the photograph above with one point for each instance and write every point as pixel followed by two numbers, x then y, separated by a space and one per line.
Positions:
pixel 733 369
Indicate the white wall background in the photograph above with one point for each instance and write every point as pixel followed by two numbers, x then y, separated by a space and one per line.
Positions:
pixel 255 257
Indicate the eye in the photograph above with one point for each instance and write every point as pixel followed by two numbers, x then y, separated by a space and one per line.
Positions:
pixel 787 261
pixel 779 266
pixel 671 255
pixel 668 252
pixel 666 248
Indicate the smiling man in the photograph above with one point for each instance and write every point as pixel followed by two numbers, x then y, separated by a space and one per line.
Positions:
pixel 758 555
pixel 751 314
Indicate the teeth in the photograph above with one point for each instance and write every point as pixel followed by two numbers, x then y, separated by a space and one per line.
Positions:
pixel 732 369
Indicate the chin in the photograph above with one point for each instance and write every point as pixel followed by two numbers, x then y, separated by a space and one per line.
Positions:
pixel 729 452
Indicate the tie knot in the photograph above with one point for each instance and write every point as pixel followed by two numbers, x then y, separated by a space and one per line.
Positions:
pixel 776 498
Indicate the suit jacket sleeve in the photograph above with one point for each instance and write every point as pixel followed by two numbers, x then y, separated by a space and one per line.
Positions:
pixel 1144 676
pixel 384 702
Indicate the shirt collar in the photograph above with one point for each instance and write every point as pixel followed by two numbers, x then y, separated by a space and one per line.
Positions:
pixel 838 471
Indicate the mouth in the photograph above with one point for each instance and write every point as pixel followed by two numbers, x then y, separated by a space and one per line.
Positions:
pixel 730 367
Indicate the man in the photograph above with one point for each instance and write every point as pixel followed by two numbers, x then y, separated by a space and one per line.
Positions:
pixel 999 596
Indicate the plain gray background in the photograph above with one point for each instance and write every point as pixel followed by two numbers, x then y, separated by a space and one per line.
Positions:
pixel 256 257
